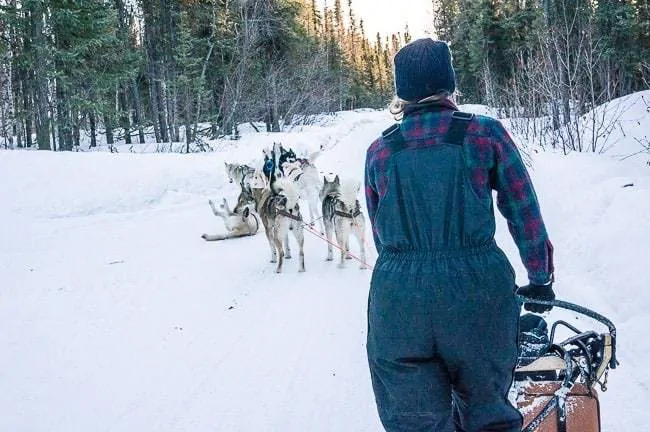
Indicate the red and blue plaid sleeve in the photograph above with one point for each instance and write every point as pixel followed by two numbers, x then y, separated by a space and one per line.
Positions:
pixel 517 202
pixel 372 194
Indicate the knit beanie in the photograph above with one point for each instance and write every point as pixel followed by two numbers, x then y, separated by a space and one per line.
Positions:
pixel 422 69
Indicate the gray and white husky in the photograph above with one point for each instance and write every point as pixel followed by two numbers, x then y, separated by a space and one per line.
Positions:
pixel 342 216
pixel 279 210
pixel 239 173
pixel 241 222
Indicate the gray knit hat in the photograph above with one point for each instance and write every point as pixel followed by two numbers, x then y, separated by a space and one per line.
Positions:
pixel 422 69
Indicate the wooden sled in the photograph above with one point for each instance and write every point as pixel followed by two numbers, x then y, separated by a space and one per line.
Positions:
pixel 556 392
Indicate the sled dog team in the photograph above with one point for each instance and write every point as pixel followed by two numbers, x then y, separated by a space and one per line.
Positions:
pixel 270 197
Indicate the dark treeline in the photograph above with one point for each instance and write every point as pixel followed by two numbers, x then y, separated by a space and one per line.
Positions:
pixel 549 58
pixel 186 69
pixel 170 67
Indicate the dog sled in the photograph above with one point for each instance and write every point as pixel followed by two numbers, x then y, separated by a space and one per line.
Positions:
pixel 556 381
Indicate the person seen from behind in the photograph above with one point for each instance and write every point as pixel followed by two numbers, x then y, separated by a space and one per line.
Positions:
pixel 442 310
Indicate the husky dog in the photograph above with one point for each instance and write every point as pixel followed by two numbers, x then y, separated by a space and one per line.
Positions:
pixel 239 173
pixel 257 181
pixel 281 162
pixel 274 159
pixel 280 213
pixel 342 215
pixel 241 222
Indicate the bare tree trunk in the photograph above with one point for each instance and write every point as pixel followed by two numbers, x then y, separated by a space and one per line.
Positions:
pixel 39 89
pixel 275 121
pixel 150 41
pixel 124 115
pixel 27 108
pixel 137 112
pixel 93 129
pixel 200 90
pixel 108 125
pixel 162 109
pixel 76 133
pixel 17 126
pixel 63 117
pixel 169 19
pixel 16 85
pixel 53 132
pixel 187 116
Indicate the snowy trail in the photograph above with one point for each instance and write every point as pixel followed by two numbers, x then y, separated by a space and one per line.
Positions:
pixel 117 316
pixel 154 341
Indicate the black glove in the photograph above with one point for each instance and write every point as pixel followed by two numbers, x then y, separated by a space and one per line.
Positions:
pixel 537 292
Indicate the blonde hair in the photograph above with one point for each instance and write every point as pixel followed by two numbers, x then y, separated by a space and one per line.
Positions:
pixel 397 105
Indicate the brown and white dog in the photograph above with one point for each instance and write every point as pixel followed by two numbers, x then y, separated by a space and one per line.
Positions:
pixel 279 211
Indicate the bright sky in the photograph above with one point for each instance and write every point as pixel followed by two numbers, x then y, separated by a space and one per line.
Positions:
pixel 389 17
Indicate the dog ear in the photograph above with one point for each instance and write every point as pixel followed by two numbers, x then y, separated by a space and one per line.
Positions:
pixel 337 181
pixel 246 212
pixel 324 179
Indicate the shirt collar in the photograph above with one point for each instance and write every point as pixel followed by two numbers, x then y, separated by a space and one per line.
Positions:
pixel 437 106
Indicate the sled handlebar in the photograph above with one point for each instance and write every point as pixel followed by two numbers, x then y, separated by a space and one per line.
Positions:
pixel 581 310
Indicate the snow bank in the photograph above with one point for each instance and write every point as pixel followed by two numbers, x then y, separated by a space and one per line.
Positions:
pixel 116 316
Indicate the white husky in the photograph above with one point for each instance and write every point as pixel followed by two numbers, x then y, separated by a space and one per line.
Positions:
pixel 239 223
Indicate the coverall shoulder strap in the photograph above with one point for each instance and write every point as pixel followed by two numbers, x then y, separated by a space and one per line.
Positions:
pixel 458 128
pixel 393 137
pixel 455 135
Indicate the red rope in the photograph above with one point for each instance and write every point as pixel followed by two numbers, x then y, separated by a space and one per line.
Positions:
pixel 317 234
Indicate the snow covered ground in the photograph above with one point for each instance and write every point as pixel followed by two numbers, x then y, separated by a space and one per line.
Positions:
pixel 116 316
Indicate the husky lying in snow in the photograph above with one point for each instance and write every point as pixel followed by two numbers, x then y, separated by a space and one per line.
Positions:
pixel 342 215
pixel 241 222
pixel 279 211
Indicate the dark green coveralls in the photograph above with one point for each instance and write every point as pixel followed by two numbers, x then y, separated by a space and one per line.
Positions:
pixel 442 312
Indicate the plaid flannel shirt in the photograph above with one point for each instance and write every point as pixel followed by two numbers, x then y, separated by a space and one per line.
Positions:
pixel 494 164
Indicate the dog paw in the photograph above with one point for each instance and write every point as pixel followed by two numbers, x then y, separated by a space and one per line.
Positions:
pixel 274 260
pixel 301 270
pixel 329 259
pixel 348 257
pixel 341 265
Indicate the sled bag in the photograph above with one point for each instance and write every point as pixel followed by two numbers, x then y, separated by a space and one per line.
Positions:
pixel 582 409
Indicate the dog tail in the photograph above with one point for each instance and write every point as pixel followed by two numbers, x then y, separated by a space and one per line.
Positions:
pixel 219 237
pixel 313 156
pixel 214 237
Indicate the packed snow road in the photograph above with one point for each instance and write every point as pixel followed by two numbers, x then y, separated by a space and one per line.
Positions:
pixel 116 316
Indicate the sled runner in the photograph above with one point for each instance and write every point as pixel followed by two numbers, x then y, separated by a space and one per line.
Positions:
pixel 556 381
